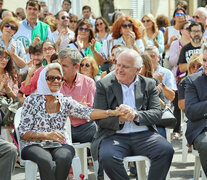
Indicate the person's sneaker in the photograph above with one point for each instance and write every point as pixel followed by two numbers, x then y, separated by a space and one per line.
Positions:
pixel 18 165
pixel 133 171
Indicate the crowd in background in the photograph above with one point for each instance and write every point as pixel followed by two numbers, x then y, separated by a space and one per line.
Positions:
pixel 31 38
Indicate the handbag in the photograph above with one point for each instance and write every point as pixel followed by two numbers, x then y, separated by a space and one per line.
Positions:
pixel 167 120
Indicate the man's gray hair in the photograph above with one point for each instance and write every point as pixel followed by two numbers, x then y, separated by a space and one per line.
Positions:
pixel 131 52
pixel 203 11
pixel 73 54
pixel 54 66
pixel 153 48
pixel 204 47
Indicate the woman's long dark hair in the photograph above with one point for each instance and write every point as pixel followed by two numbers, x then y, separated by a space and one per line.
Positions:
pixel 10 69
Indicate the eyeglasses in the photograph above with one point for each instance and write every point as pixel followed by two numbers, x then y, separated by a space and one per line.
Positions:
pixel 144 21
pixel 180 14
pixel 71 21
pixel 5 58
pixel 130 25
pixel 53 78
pixel 64 17
pixel 196 17
pixel 86 65
pixel 195 66
pixel 83 29
pixel 48 49
pixel 100 24
pixel 7 25
pixel 196 31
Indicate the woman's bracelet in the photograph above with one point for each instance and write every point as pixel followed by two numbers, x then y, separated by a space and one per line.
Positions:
pixel 37 136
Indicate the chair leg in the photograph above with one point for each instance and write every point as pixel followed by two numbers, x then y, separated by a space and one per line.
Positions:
pixel 82 154
pixel 196 173
pixel 30 170
pixel 141 170
pixel 76 165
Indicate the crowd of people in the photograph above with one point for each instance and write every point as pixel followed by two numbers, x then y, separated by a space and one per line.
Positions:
pixel 112 79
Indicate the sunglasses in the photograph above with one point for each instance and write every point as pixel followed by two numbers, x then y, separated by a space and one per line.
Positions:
pixel 5 58
pixel 146 21
pixel 180 14
pixel 195 66
pixel 86 65
pixel 73 21
pixel 7 25
pixel 64 17
pixel 53 78
pixel 100 24
pixel 196 17
pixel 130 25
pixel 83 29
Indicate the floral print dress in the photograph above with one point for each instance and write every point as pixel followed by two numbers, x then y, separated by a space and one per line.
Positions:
pixel 35 118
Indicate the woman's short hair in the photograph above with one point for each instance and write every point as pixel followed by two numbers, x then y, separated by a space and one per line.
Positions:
pixel 10 19
pixel 54 66
pixel 151 17
pixel 196 57
pixel 162 21
pixel 107 29
pixel 51 21
pixel 116 28
pixel 93 64
pixel 81 23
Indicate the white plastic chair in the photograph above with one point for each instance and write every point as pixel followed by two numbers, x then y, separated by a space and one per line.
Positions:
pixel 184 140
pixel 198 168
pixel 141 166
pixel 31 167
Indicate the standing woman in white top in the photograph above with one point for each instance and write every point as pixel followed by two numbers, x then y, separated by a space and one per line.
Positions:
pixel 9 27
pixel 154 35
pixel 172 33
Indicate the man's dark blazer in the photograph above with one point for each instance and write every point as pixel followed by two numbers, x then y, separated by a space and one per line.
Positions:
pixel 109 96
pixel 195 105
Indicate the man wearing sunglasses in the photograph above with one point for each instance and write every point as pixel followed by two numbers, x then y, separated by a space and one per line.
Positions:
pixel 196 111
pixel 196 30
pixel 31 29
pixel 200 15
pixel 82 89
pixel 63 35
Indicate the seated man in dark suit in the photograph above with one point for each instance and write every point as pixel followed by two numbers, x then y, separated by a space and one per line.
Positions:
pixel 196 110
pixel 133 133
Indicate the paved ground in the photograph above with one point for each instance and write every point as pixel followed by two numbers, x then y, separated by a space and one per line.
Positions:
pixel 178 170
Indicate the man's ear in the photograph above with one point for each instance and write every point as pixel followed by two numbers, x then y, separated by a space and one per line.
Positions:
pixel 139 69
